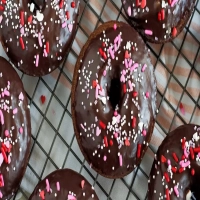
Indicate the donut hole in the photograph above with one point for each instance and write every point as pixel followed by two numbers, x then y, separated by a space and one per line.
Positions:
pixel 39 4
pixel 115 92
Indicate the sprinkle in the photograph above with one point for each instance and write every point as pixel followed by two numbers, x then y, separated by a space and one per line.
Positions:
pixel 144 67
pixel 124 88
pixel 98 131
pixel 82 184
pixel 1 159
pixel 47 185
pixel 111 143
pixel 166 177
pixel 61 4
pixel 130 85
pixel 47 47
pixel 4 154
pixel 127 55
pixel 134 121
pixel 30 19
pixel 104 158
pixel 73 4
pixel 182 109
pixel 120 160
pixel 139 146
pixel 21 130
pixel 43 99
pixel 127 143
pixel 174 32
pixel 58 186
pixel 163 159
pixel 176 191
pixel 148 32
pixel 175 157
pixel 191 153
pixel 147 94
pixel 192 172
pixel 135 66
pixel 1 8
pixel 22 18
pixel 64 24
pixel 67 15
pixel 143 4
pixel 105 141
pixel 70 27
pixel 39 39
pixel 186 164
pixel 174 169
pixel 21 43
pixel 1 195
pixel 1 18
pixel 1 117
pixel 173 2
pixel 37 60
pixel 15 111
pixel 162 14
pixel 129 11
pixel 71 197
pixel 102 125
pixel 196 150
pixel 42 195
pixel 181 170
pixel 6 133
pixel 115 26
pixel 135 94
pixel 104 73
pixel 144 132
pixel 21 96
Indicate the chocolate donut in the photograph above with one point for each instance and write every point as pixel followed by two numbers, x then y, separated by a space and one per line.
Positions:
pixel 175 172
pixel 37 34
pixel 64 184
pixel 15 130
pixel 114 99
pixel 159 21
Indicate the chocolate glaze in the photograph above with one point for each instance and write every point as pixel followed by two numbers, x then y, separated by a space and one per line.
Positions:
pixel 88 110
pixel 69 181
pixel 56 29
pixel 20 140
pixel 172 144
pixel 175 16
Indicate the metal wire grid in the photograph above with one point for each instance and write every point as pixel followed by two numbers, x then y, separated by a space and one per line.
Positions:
pixel 128 187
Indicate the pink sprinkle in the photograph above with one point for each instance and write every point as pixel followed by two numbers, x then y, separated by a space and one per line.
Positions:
pixel 147 94
pixel 129 11
pixel 186 164
pixel 130 85
pixel 45 53
pixel 126 63
pixel 71 197
pixel 1 178
pixel 173 3
pixel 115 26
pixel 98 131
pixel 6 93
pixel 58 186
pixel 104 73
pixel 116 135
pixel 135 66
pixel 111 53
pixel 144 67
pixel 185 153
pixel 82 126
pixel 1 159
pixel 39 39
pixel 1 18
pixel 37 60
pixel 1 117
pixel 15 111
pixel 120 160
pixel 102 92
pixel 6 133
pixel 117 42
pixel 115 113
pixel 47 185
pixel 130 63
pixel 21 96
pixel 70 26
pixel 9 159
pixel 176 191
pixel 82 184
pixel 104 158
pixel 5 107
pixel 144 132
pixel 64 25
pixel 97 91
pixel 122 79
pixel 21 130
pixel 148 32
pixel 22 30
pixel 169 162
pixel 199 154
pixel 1 195
pixel 124 72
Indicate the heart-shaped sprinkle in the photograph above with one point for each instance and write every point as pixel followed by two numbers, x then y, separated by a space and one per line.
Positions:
pixel 98 131
pixel 70 26
pixel 174 31
pixel 21 96
pixel 82 184
pixel 163 159
pixel 127 55
pixel 6 133
pixel 43 99
pixel 127 143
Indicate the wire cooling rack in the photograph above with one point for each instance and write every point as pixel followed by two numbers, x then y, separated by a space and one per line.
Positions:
pixel 177 69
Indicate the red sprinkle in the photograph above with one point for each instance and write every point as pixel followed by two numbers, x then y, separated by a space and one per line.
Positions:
pixel 135 94
pixel 134 122
pixel 181 170
pixel 105 141
pixel 21 43
pixel 1 8
pixel 159 16
pixel 143 4
pixel 94 84
pixel 47 47
pixel 43 99
pixel 4 154
pixel 192 172
pixel 111 143
pixel 67 15
pixel 42 195
pixel 183 157
pixel 191 153
pixel 175 157
pixel 102 125
pixel 162 14
pixel 124 88
pixel 22 18
pixel 30 19
pixel 174 169
pixel 167 194
pixel 73 4
pixel 3 1
pixel 163 159
pixel 127 143
pixel 103 44
pixel 139 146
pixel 183 143
pixel 126 55
pixel 166 177
pixel 174 31
pixel 61 4
pixel 169 2
pixel 197 150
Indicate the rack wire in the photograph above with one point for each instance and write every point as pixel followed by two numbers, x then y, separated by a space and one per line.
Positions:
pixel 54 145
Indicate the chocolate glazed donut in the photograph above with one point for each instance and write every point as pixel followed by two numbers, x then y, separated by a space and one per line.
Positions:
pixel 159 21
pixel 37 34
pixel 114 99
pixel 15 130
pixel 64 184
pixel 176 169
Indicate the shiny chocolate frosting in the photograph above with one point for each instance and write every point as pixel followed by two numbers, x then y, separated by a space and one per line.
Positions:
pixel 64 184
pixel 37 34
pixel 176 168
pixel 15 130
pixel 114 99
pixel 159 21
